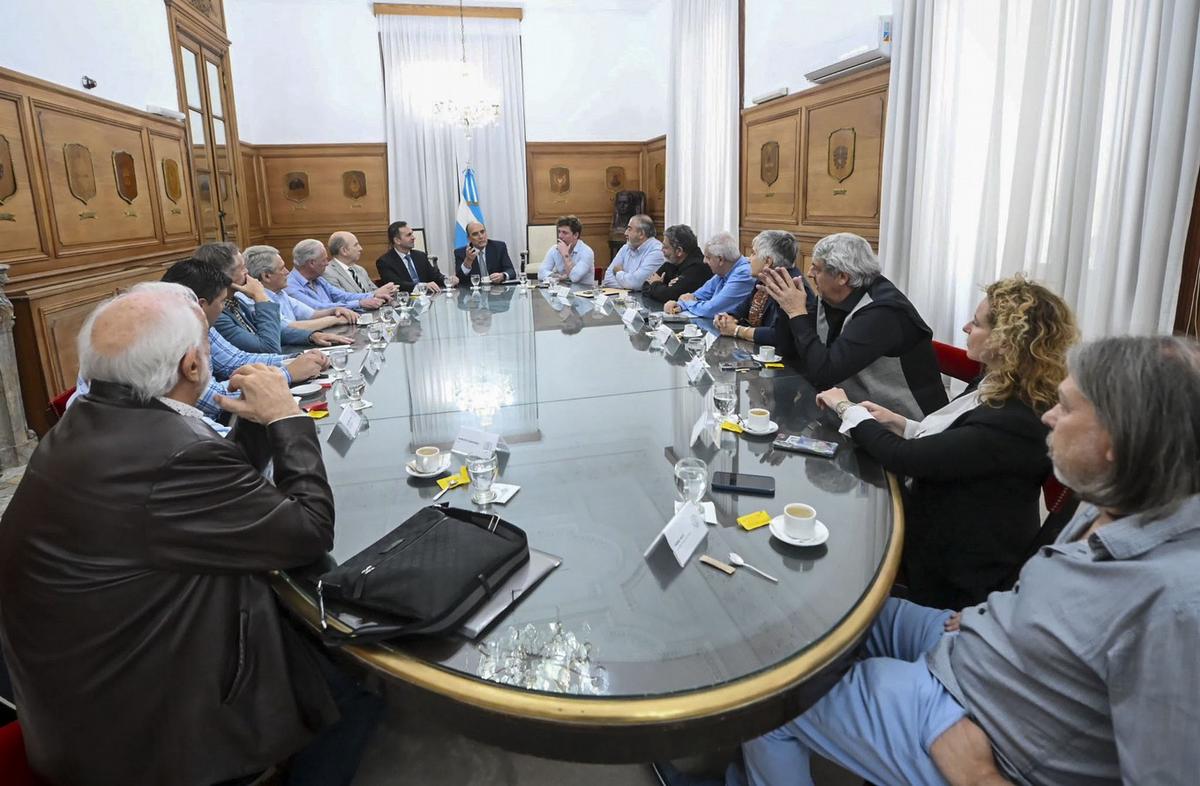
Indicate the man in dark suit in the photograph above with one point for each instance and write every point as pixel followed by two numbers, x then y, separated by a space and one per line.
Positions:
pixel 143 638
pixel 489 258
pixel 406 267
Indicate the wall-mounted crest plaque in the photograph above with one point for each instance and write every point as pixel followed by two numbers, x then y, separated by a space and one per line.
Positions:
pixel 8 178
pixel 354 184
pixel 768 167
pixel 560 180
pixel 81 177
pixel 660 177
pixel 841 154
pixel 614 178
pixel 125 169
pixel 172 179
pixel 296 186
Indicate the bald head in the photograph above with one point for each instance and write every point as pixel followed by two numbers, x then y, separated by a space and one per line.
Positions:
pixel 140 338
pixel 476 234
pixel 345 246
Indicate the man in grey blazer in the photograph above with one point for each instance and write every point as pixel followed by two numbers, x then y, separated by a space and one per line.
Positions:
pixel 344 272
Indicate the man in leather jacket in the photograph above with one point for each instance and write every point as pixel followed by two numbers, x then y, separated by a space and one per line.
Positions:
pixel 144 642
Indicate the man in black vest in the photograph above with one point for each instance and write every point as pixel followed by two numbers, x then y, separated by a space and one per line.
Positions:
pixel 406 267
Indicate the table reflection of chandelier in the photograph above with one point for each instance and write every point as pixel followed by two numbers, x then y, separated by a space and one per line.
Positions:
pixel 483 396
pixel 457 93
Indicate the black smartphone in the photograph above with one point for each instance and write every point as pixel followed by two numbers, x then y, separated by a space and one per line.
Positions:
pixel 742 483
pixel 815 447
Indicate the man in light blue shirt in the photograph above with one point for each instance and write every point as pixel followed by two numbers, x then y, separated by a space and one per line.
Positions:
pixel 266 265
pixel 638 258
pixel 730 285
pixel 307 284
pixel 570 257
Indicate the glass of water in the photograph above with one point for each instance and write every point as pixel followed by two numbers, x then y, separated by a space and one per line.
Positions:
pixel 475 279
pixel 387 313
pixel 654 320
pixel 695 346
pixel 725 399
pixel 482 471
pixel 691 479
pixel 355 384
pixel 338 361
pixel 377 336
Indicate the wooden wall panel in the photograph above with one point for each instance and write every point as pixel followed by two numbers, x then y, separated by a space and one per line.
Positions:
pixel 168 158
pixel 769 178
pixel 20 233
pixel 324 167
pixel 256 229
pixel 843 171
pixel 576 178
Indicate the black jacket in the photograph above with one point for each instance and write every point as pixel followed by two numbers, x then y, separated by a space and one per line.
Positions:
pixel 392 269
pixel 678 279
pixel 971 507
pixel 497 260
pixel 143 639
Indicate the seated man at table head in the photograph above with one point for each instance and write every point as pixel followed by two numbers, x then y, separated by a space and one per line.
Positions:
pixel 729 285
pixel 488 258
pixel 343 271
pixel 864 334
pixel 1083 673
pixel 250 320
pixel 143 637
pixel 683 269
pixel 405 266
pixel 637 260
pixel 307 281
pixel 754 318
pixel 570 258
pixel 212 289
pixel 265 264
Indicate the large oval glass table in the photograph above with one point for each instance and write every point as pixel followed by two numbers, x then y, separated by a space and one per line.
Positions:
pixel 614 656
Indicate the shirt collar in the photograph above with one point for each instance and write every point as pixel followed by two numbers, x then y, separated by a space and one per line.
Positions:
pixel 186 410
pixel 1132 536
pixel 342 266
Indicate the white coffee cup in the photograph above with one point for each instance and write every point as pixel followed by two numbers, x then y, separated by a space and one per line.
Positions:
pixel 759 419
pixel 766 352
pixel 691 331
pixel 799 521
pixel 427 458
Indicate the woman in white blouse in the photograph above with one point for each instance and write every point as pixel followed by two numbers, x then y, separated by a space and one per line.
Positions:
pixel 974 468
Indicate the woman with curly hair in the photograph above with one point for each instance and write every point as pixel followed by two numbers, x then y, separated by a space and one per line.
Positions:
pixel 974 468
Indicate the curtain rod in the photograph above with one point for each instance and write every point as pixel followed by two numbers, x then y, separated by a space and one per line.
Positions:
pixel 487 12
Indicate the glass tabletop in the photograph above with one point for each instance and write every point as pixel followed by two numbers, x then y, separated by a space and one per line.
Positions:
pixel 595 414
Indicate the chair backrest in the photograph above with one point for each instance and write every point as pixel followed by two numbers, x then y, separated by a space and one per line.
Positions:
pixel 953 362
pixel 539 238
pixel 58 405
pixel 13 763
pixel 419 244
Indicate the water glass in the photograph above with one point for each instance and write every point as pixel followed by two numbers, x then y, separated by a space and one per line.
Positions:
pixel 377 336
pixel 355 384
pixel 695 346
pixel 654 320
pixel 338 361
pixel 482 471
pixel 725 399
pixel 387 313
pixel 475 279
pixel 691 479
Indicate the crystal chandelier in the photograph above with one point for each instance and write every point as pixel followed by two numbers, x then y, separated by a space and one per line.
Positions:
pixel 459 95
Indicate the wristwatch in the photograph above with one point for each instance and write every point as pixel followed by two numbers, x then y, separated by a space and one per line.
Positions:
pixel 841 408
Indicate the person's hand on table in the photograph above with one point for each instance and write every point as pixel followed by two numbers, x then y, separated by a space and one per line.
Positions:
pixel 726 324
pixel 385 292
pixel 451 281
pixel 432 287
pixel 496 278
pixel 371 303
pixel 329 339
pixel 346 315
pixel 253 289
pixel 894 422
pixel 829 399
pixel 305 366
pixel 784 290
pixel 686 297
pixel 671 307
pixel 265 395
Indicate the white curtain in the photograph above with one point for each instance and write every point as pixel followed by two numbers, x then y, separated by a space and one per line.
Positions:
pixel 702 124
pixel 425 158
pixel 1056 137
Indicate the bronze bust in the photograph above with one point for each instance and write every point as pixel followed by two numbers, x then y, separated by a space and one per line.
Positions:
pixel 626 205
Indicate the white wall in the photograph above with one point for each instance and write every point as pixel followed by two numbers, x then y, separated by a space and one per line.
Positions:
pixel 306 71
pixel 785 39
pixel 125 46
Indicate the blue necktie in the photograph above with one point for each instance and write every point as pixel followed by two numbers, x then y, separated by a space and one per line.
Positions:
pixel 412 269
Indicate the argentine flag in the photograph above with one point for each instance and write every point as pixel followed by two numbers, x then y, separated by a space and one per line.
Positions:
pixel 468 208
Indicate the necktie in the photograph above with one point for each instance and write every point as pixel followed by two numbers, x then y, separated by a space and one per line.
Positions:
pixel 357 280
pixel 483 271
pixel 412 269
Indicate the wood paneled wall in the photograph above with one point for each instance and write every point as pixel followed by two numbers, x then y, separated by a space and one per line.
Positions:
pixel 299 191
pixel 94 196
pixel 812 163
pixel 583 178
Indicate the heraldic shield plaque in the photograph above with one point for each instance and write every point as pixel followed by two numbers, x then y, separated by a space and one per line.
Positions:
pixel 768 167
pixel 81 177
pixel 560 180
pixel 660 178
pixel 354 184
pixel 841 154
pixel 172 180
pixel 125 169
pixel 8 178
pixel 296 186
pixel 614 178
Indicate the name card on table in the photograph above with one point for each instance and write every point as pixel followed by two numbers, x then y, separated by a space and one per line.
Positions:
pixel 371 363
pixel 475 442
pixel 710 339
pixel 696 369
pixel 350 421
pixel 662 333
pixel 600 298
pixel 630 315
pixel 682 534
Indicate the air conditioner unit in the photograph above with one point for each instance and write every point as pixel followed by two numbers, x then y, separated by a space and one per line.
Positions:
pixel 860 59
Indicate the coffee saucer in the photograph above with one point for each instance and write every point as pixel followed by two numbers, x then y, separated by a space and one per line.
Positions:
pixel 820 535
pixel 762 359
pixel 771 428
pixel 307 389
pixel 411 468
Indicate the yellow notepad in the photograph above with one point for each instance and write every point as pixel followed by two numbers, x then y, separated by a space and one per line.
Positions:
pixel 754 520
pixel 460 479
pixel 773 365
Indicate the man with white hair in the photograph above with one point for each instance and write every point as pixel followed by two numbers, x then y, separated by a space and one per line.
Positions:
pixel 139 626
pixel 864 334
pixel 265 265
pixel 731 282
pixel 307 284
pixel 638 259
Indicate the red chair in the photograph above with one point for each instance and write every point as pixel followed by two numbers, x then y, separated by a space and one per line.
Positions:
pixel 13 763
pixel 58 404
pixel 953 362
